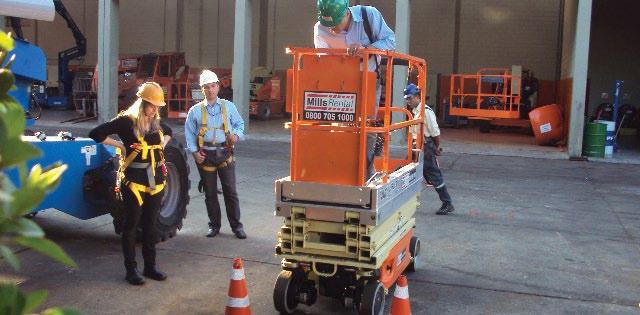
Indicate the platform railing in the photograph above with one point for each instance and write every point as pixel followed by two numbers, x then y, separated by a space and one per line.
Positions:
pixel 364 115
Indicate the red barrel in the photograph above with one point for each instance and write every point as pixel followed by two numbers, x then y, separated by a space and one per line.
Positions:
pixel 546 122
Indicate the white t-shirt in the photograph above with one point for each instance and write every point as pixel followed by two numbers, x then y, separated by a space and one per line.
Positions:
pixel 431 128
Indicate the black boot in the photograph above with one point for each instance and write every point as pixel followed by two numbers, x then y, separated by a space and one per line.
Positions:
pixel 213 231
pixel 151 272
pixel 134 277
pixel 445 209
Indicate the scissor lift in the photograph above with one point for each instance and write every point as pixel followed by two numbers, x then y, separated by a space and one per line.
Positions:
pixel 490 95
pixel 342 237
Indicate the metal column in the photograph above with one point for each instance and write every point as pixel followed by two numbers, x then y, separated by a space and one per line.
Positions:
pixel 402 32
pixel 580 67
pixel 108 51
pixel 242 58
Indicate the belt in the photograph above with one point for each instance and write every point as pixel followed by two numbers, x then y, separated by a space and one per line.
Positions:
pixel 147 166
pixel 213 146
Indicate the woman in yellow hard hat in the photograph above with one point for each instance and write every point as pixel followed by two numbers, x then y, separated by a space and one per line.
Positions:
pixel 141 176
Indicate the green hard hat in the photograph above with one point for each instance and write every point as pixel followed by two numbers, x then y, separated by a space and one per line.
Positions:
pixel 331 12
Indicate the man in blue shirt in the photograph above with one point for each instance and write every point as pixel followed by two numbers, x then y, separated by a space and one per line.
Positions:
pixel 212 127
pixel 355 28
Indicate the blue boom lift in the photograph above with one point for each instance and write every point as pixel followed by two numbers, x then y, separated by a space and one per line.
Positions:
pixel 86 189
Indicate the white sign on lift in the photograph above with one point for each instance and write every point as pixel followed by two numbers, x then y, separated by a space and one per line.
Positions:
pixel 329 106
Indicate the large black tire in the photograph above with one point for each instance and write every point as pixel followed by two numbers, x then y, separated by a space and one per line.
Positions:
pixel 264 111
pixel 414 249
pixel 373 298
pixel 176 195
pixel 286 289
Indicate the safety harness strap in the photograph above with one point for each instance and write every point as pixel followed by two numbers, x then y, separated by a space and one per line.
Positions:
pixel 224 164
pixel 204 126
pixel 147 152
pixel 139 189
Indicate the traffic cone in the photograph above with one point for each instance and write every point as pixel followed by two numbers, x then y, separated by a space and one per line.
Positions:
pixel 400 304
pixel 238 303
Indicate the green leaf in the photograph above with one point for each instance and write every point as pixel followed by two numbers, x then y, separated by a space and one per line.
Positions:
pixel 61 311
pixel 47 248
pixel 12 301
pixel 14 151
pixel 25 200
pixel 28 228
pixel 11 259
pixel 48 178
pixel 13 115
pixel 34 299
pixel 6 42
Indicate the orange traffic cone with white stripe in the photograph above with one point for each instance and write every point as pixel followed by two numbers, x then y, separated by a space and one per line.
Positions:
pixel 400 304
pixel 238 303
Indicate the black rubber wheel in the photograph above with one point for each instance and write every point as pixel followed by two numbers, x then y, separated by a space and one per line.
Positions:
pixel 373 299
pixel 176 195
pixel 414 249
pixel 485 126
pixel 264 111
pixel 286 289
pixel 35 110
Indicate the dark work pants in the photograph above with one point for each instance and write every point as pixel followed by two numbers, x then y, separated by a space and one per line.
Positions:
pixel 145 216
pixel 228 180
pixel 431 171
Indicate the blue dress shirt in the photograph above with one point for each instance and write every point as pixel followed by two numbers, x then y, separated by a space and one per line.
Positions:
pixel 194 121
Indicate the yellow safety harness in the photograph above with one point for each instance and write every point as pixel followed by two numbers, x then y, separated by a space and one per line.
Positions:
pixel 146 151
pixel 204 127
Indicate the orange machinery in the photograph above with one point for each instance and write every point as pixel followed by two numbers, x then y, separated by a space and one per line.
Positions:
pixel 343 237
pixel 491 94
pixel 266 94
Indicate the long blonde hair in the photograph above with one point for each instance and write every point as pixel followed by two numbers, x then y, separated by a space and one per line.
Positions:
pixel 141 123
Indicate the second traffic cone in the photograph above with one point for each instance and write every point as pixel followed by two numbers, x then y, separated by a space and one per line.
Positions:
pixel 400 304
pixel 238 303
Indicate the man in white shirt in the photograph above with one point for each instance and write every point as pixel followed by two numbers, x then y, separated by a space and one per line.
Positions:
pixel 431 148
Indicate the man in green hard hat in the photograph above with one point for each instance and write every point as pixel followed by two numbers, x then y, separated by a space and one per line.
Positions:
pixel 355 28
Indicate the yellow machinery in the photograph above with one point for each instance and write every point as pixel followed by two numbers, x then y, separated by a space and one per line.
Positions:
pixel 342 237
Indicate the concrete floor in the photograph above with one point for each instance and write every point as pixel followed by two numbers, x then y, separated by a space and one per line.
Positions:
pixel 529 236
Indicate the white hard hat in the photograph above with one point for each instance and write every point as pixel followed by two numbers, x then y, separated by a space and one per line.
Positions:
pixel 207 76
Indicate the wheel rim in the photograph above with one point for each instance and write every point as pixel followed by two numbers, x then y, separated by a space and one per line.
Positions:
pixel 172 190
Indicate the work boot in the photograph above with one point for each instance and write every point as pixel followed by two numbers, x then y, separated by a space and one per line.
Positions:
pixel 445 209
pixel 213 231
pixel 152 273
pixel 240 234
pixel 134 277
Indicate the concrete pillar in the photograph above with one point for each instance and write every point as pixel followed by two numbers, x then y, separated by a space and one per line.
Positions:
pixel 108 52
pixel 402 32
pixel 242 58
pixel 580 67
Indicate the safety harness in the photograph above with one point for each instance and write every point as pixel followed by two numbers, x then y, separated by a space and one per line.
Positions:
pixel 204 127
pixel 147 153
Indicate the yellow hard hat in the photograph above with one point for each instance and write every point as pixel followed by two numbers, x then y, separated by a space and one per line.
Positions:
pixel 151 92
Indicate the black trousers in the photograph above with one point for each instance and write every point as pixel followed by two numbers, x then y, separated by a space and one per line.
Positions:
pixel 227 177
pixel 431 171
pixel 145 216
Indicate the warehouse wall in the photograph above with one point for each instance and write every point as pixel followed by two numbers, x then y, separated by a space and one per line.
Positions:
pixel 614 51
pixel 492 32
